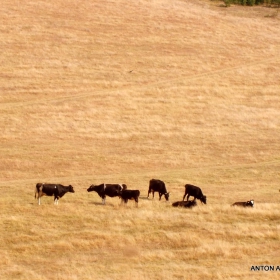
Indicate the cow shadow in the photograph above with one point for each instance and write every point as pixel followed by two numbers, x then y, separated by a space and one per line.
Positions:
pixel 152 199
pixel 143 197
pixel 101 204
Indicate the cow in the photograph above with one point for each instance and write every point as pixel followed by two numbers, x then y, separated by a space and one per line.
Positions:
pixel 125 195
pixel 186 204
pixel 55 190
pixel 111 190
pixel 158 186
pixel 249 203
pixel 194 191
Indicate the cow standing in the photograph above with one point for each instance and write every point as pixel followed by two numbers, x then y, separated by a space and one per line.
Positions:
pixel 111 190
pixel 55 190
pixel 158 186
pixel 249 203
pixel 194 191
pixel 125 195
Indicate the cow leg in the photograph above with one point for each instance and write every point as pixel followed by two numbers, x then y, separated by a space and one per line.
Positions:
pixel 184 196
pixel 40 194
pixel 104 200
pixel 188 197
pixel 56 198
pixel 151 191
pixel 136 202
pixel 160 194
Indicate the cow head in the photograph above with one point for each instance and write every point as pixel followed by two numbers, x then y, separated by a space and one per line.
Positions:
pixel 166 195
pixel 250 203
pixel 203 199
pixel 71 189
pixel 91 188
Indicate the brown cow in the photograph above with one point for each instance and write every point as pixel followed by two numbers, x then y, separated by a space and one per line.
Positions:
pixel 186 204
pixel 194 191
pixel 125 195
pixel 158 186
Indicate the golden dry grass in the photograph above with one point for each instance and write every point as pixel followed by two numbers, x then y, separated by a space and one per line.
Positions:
pixel 125 91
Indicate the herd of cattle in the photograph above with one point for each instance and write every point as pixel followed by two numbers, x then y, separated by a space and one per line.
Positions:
pixel 121 191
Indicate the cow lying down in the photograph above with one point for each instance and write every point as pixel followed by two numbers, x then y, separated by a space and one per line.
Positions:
pixel 186 204
pixel 249 203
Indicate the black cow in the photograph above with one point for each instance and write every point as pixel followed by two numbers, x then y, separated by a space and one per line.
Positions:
pixel 158 186
pixel 111 190
pixel 186 204
pixel 249 203
pixel 194 191
pixel 125 195
pixel 55 190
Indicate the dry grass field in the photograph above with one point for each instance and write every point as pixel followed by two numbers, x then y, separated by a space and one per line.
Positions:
pixel 186 91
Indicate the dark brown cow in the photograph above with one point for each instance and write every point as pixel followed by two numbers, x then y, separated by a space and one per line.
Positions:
pixel 249 203
pixel 186 204
pixel 158 186
pixel 55 190
pixel 194 191
pixel 125 195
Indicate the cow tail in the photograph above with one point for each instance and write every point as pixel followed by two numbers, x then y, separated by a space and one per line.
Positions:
pixel 37 189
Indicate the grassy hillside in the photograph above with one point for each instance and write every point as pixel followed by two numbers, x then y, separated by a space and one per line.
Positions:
pixel 122 92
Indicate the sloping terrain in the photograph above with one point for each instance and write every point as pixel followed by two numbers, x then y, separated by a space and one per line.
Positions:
pixel 125 91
